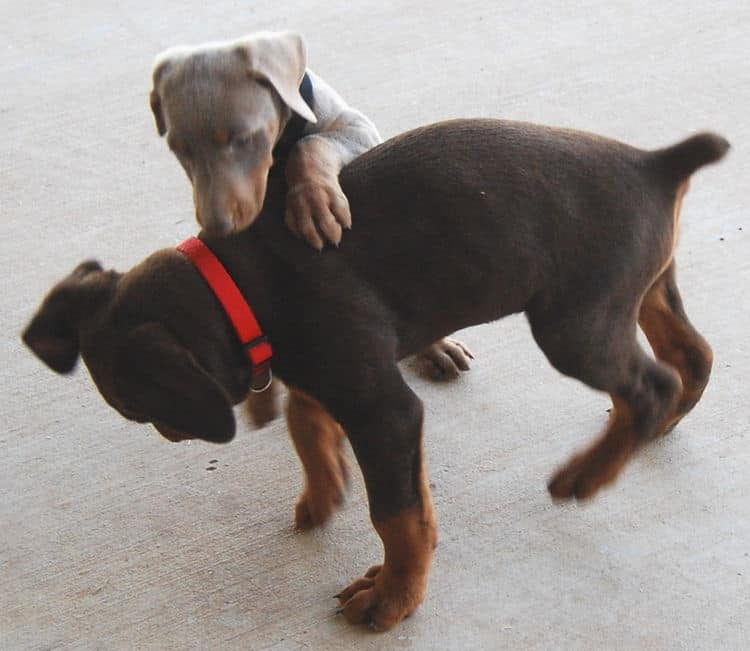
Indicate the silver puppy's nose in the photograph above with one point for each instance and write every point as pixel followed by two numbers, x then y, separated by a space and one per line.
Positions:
pixel 219 227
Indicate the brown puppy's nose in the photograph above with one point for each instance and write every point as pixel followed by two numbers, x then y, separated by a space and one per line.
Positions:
pixel 171 434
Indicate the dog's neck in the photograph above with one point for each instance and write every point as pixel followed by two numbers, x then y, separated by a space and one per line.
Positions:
pixel 236 307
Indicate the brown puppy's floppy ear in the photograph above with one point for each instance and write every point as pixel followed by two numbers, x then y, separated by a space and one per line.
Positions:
pixel 160 68
pixel 53 332
pixel 281 58
pixel 158 378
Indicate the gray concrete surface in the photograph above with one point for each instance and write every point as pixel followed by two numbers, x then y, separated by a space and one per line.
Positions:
pixel 111 538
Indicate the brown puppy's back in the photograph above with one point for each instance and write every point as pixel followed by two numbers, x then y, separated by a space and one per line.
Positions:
pixel 510 216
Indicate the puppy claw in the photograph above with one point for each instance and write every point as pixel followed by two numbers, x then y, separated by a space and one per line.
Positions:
pixel 357 587
pixel 373 571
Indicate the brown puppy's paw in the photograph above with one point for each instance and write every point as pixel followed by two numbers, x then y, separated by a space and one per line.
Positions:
pixel 445 359
pixel 323 495
pixel 318 210
pixel 315 509
pixel 583 476
pixel 379 600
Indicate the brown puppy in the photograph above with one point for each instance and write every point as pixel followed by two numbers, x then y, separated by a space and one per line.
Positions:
pixel 458 223
pixel 232 110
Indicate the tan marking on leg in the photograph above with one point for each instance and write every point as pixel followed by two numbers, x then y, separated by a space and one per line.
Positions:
pixel 318 439
pixel 677 213
pixel 675 341
pixel 676 223
pixel 394 590
pixel 598 466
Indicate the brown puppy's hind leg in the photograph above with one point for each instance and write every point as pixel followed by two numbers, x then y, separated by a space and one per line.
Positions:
pixel 676 342
pixel 643 393
pixel 318 439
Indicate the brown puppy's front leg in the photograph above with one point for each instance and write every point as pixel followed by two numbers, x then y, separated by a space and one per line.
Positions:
pixel 318 439
pixel 390 455
pixel 263 407
pixel 389 592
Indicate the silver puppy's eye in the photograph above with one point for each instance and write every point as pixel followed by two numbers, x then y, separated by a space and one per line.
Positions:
pixel 180 149
pixel 242 141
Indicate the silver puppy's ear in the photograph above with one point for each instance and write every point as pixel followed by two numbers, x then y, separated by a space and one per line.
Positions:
pixel 281 58
pixel 160 66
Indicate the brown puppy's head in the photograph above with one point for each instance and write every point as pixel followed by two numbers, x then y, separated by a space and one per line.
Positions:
pixel 139 366
pixel 222 107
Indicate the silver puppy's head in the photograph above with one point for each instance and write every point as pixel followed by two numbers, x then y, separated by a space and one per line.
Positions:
pixel 222 107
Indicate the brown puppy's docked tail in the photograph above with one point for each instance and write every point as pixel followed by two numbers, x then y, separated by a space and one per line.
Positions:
pixel 679 161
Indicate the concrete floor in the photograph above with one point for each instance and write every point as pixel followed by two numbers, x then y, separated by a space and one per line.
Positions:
pixel 112 538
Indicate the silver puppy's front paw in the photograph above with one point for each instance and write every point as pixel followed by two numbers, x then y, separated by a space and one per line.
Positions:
pixel 318 211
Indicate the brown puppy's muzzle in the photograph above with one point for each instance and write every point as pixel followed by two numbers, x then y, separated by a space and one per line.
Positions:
pixel 171 434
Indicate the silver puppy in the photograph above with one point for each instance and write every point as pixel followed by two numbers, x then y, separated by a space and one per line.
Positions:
pixel 224 106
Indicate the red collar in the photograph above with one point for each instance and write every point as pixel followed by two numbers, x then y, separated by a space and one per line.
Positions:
pixel 237 308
